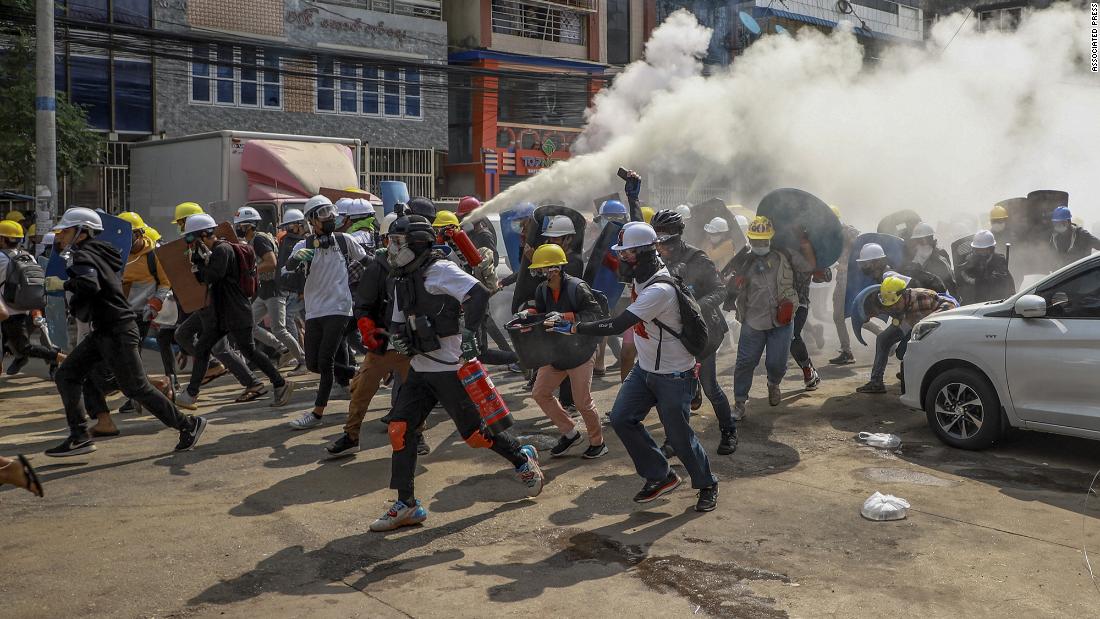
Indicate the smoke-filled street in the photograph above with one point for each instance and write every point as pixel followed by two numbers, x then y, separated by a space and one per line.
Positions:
pixel 257 524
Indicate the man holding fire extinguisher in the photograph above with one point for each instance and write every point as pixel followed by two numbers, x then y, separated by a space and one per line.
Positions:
pixel 436 311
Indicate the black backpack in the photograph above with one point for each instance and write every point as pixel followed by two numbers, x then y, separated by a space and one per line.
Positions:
pixel 694 335
pixel 24 283
pixel 572 288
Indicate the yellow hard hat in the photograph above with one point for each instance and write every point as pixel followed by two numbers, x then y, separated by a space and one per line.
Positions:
pixel 445 218
pixel 647 214
pixel 135 220
pixel 998 212
pixel 354 190
pixel 890 291
pixel 185 210
pixel 32 230
pixel 11 229
pixel 15 216
pixel 547 256
pixel 836 210
pixel 151 234
pixel 760 229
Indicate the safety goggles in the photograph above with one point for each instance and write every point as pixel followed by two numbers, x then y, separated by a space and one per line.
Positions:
pixel 191 237
pixel 544 272
pixel 324 213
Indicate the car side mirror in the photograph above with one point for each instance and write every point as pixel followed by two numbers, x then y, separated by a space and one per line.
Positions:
pixel 1031 306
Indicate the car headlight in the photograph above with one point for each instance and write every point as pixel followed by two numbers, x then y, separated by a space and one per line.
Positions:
pixel 923 329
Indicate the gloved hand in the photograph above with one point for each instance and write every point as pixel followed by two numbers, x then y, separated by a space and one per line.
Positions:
pixel 54 284
pixel 152 309
pixel 565 327
pixel 522 314
pixel 633 185
pixel 67 256
pixel 470 346
pixel 198 256
pixel 401 344
pixel 304 255
pixel 551 318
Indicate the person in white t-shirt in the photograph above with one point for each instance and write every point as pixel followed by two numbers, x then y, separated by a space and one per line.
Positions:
pixel 663 376
pixel 436 309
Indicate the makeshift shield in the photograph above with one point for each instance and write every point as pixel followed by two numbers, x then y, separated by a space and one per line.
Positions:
pixel 513 240
pixel 546 211
pixel 792 212
pixel 116 232
pixel 598 202
pixel 864 307
pixel 702 214
pixel 175 257
pixel 601 270
pixel 392 193
pixel 899 224
pixel 892 246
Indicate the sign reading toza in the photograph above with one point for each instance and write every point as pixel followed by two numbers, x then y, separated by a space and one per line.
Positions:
pixel 308 18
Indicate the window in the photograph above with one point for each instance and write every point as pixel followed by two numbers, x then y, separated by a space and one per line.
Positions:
pixel 130 12
pixel 236 76
pixel 560 103
pixel 347 87
pixel 1076 297
pixel 618 31
pixel 90 10
pixel 539 20
pixel 91 89
pixel 133 95
pixel 116 94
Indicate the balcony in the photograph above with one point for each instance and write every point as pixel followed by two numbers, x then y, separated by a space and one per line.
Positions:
pixel 426 9
pixel 564 21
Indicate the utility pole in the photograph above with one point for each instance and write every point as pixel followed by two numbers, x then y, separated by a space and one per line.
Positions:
pixel 45 120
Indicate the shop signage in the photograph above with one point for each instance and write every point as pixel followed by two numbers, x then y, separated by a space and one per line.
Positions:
pixel 313 18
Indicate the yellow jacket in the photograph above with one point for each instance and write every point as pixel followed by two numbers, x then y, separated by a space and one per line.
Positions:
pixel 138 281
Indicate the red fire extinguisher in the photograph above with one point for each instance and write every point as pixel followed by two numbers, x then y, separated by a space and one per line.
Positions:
pixel 462 243
pixel 479 386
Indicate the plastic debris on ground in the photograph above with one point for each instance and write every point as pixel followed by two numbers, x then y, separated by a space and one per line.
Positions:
pixel 882 507
pixel 876 439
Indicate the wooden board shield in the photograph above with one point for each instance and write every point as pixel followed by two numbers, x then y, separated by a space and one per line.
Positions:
pixel 176 259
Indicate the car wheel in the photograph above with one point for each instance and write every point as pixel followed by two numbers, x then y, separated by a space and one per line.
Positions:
pixel 963 409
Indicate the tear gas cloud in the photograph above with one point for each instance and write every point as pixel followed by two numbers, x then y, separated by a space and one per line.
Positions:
pixel 945 130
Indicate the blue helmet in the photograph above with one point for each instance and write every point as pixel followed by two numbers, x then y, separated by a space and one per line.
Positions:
pixel 524 210
pixel 1061 214
pixel 612 207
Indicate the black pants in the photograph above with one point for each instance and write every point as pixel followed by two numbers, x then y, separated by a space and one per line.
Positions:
pixel 242 339
pixel 166 337
pixel 187 337
pixel 415 400
pixel 327 353
pixel 16 334
pixel 118 350
pixel 798 347
pixel 504 356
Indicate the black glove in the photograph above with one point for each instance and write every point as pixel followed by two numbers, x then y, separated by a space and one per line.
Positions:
pixel 633 186
pixel 470 345
pixel 401 344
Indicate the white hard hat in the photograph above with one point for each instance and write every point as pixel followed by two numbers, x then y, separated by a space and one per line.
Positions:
pixel 358 208
pixel 742 221
pixel 684 211
pixel 342 205
pixel 634 235
pixel 198 223
pixel 717 226
pixel 888 274
pixel 315 202
pixel 79 216
pixel 247 214
pixel 922 231
pixel 292 215
pixel 387 220
pixel 983 239
pixel 869 252
pixel 558 226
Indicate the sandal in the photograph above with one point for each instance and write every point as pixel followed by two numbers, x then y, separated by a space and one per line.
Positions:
pixel 33 483
pixel 103 434
pixel 214 372
pixel 252 393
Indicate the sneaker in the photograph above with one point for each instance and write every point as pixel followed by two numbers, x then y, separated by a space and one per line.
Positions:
pixel 16 365
pixel 129 406
pixel 72 446
pixel 811 379
pixel 514 368
pixel 739 411
pixel 400 515
pixel 422 447
pixel 189 437
pixel 654 489
pixel 728 444
pixel 339 392
pixel 564 443
pixel 281 396
pixel 306 421
pixel 300 369
pixel 873 386
pixel 530 473
pixel 595 451
pixel 844 358
pixel 286 357
pixel 185 400
pixel 343 446
pixel 774 394
pixel 708 499
pixel 668 450
pixel 697 399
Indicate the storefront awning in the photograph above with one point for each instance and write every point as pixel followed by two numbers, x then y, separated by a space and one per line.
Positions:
pixel 765 12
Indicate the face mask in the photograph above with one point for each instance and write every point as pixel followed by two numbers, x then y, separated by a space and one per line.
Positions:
pixel 761 250
pixel 340 219
pixel 328 226
pixel 241 231
pixel 923 253
pixel 997 228
pixel 1061 228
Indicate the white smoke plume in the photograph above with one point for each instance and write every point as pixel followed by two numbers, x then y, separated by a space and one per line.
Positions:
pixel 941 129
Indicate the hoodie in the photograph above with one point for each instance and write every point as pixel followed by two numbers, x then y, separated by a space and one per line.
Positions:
pixel 96 287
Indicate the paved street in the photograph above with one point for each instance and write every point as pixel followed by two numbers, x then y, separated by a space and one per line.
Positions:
pixel 255 523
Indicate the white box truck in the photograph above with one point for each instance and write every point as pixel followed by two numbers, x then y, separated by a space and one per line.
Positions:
pixel 224 170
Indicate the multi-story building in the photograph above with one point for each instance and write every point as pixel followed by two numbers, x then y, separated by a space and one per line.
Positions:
pixel 367 69
pixel 997 15
pixel 525 71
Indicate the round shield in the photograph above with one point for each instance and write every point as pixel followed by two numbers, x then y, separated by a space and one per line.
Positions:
pixel 794 212
pixel 899 224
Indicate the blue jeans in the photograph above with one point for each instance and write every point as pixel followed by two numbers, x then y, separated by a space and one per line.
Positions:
pixel 708 375
pixel 672 394
pixel 750 346
pixel 886 341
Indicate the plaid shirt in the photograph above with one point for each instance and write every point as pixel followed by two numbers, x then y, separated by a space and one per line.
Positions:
pixel 916 304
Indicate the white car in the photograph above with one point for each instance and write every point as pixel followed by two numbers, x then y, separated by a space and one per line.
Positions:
pixel 1030 362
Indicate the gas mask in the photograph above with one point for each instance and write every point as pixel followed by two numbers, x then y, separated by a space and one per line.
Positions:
pixel 922 253
pixel 996 228
pixel 761 250
pixel 399 253
pixel 325 216
pixel 241 231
